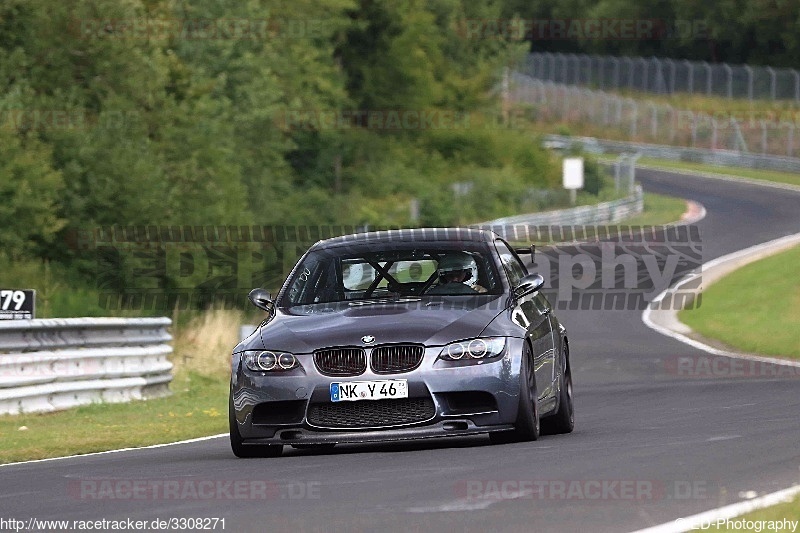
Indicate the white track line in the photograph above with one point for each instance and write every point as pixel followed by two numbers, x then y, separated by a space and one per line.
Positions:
pixel 189 441
pixel 688 523
pixel 723 177
pixel 761 250
pixel 701 520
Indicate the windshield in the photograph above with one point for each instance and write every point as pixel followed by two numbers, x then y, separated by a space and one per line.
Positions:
pixel 344 275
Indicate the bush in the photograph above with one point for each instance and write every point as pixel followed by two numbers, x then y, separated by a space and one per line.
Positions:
pixel 59 293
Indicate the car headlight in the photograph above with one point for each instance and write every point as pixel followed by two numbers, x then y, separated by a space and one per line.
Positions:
pixel 473 349
pixel 269 361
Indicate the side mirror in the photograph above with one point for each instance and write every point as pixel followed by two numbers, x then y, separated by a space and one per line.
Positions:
pixel 261 299
pixel 526 251
pixel 528 285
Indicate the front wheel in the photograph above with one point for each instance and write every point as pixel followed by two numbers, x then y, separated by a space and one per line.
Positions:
pixel 248 450
pixel 526 426
pixel 563 420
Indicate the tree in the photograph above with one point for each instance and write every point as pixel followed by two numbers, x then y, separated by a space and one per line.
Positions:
pixel 29 189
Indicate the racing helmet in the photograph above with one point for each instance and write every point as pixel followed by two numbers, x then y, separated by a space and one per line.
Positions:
pixel 460 261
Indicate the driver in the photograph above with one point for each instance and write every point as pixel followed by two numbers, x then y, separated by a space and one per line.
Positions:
pixel 458 274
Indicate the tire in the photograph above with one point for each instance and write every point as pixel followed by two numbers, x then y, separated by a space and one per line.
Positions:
pixel 563 420
pixel 247 451
pixel 526 426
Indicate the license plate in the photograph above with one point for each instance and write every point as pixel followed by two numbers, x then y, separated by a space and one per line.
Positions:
pixel 369 390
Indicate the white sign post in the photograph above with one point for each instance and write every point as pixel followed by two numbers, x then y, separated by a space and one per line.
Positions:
pixel 573 176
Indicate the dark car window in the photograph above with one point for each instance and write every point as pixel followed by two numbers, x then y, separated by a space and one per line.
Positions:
pixel 313 282
pixel 346 275
pixel 511 263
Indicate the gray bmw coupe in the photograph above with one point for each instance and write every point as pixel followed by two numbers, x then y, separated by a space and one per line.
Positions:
pixel 397 335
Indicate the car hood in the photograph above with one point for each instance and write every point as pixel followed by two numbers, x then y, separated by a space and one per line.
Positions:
pixel 433 322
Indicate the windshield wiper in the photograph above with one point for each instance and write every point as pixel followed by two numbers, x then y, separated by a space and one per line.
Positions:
pixel 389 300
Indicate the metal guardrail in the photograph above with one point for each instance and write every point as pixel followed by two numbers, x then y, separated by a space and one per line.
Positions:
pixel 726 158
pixel 522 228
pixel 52 364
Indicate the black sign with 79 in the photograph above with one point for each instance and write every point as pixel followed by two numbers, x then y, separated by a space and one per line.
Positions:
pixel 16 304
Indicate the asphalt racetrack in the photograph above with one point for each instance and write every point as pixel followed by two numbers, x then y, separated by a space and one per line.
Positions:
pixel 650 445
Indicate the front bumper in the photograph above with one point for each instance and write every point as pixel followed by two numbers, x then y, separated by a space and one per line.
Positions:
pixel 428 431
pixel 467 399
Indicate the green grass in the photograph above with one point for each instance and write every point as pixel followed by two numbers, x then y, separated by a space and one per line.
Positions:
pixel 197 407
pixel 777 513
pixel 658 209
pixel 765 175
pixel 754 309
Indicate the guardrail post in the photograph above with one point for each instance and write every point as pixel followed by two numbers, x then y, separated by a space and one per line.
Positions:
pixel 653 120
pixel 634 115
pixel 573 59
pixel 796 76
pixel 599 68
pixel 632 171
pixel 690 73
pixel 672 120
pixel 773 81
pixel 709 82
pixel 588 69
pixel 742 145
pixel 672 74
pixel 597 98
pixel 713 133
pixel 749 82
pixel 551 93
pixel 529 68
pixel 564 67
pixel 645 84
pixel 660 84
pixel 629 62
pixel 729 72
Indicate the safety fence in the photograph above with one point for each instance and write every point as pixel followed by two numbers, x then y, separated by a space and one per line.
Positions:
pixel 518 228
pixel 724 158
pixel 57 363
pixel 665 76
pixel 640 121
